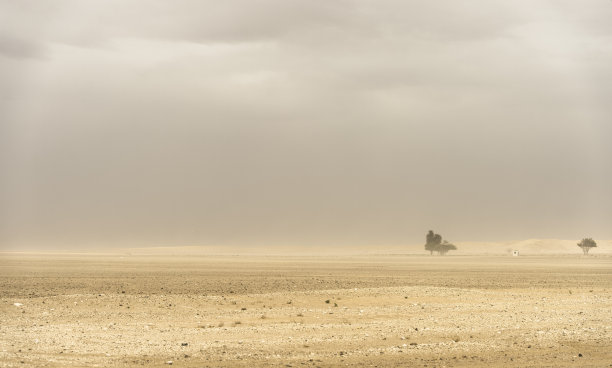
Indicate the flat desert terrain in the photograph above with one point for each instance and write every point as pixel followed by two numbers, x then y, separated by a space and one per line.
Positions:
pixel 59 310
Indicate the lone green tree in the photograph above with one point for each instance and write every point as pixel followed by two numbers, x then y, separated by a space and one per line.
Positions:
pixel 434 243
pixel 586 244
pixel 445 247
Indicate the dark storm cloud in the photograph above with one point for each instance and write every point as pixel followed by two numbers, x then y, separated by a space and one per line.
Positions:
pixel 300 122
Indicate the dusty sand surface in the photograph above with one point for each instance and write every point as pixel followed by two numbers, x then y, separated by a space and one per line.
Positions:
pixel 365 311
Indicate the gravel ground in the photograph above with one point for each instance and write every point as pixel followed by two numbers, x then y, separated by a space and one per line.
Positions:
pixel 85 310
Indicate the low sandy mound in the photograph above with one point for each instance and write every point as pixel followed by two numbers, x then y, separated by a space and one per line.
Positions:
pixel 525 247
pixel 531 247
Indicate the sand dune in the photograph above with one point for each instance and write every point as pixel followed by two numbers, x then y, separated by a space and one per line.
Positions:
pixel 532 247
pixel 525 248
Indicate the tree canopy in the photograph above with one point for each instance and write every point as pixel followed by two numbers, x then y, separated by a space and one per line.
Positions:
pixel 434 243
pixel 586 244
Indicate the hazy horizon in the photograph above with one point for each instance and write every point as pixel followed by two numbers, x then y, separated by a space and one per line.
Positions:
pixel 250 123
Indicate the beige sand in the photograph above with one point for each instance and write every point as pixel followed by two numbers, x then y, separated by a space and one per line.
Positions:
pixel 367 311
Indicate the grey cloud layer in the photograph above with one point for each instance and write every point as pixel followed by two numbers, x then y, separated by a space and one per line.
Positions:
pixel 297 122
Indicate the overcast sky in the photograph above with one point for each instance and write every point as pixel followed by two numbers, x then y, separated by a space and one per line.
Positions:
pixel 284 122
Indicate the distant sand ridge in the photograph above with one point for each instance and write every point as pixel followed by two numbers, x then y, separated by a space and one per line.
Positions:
pixel 525 247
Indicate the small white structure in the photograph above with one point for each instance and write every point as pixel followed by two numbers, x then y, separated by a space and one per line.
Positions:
pixel 515 253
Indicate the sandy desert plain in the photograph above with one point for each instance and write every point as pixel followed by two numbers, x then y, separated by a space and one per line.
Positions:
pixel 190 309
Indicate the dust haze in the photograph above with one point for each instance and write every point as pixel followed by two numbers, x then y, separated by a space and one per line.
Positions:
pixel 289 183
pixel 293 123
